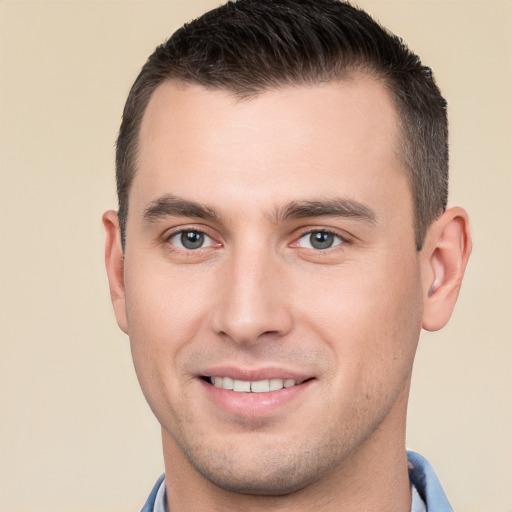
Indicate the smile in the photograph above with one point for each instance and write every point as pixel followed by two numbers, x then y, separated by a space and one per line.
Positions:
pixel 258 386
pixel 247 394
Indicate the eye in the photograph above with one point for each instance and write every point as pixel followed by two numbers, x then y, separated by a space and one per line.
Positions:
pixel 190 240
pixel 319 240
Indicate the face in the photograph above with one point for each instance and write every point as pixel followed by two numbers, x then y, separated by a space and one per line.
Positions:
pixel 272 289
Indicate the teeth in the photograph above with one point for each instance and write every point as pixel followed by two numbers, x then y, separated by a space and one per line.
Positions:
pixel 276 384
pixel 288 383
pixel 258 386
pixel 241 385
pixel 227 382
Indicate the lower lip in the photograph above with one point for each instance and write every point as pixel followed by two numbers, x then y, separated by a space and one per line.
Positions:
pixel 253 404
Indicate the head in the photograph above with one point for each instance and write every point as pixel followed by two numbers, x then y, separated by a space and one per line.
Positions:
pixel 282 187
pixel 251 46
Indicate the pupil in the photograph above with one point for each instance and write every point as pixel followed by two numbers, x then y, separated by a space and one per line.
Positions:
pixel 192 239
pixel 321 240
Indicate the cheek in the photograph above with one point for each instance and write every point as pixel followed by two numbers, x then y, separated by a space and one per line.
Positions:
pixel 165 313
pixel 371 330
pixel 370 316
pixel 164 305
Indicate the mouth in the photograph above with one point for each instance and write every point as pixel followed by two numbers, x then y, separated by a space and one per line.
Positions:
pixel 255 386
pixel 250 394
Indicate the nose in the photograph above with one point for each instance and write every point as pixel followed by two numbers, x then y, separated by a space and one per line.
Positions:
pixel 253 300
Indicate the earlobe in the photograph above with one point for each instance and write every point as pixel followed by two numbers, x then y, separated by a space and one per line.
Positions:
pixel 114 263
pixel 444 257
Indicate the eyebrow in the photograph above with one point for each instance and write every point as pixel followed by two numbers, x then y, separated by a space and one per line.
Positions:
pixel 169 205
pixel 172 206
pixel 339 207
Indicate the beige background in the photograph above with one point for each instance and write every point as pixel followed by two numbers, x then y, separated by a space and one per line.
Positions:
pixel 75 432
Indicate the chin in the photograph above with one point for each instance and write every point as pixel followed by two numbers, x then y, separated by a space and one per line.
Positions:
pixel 268 473
pixel 281 484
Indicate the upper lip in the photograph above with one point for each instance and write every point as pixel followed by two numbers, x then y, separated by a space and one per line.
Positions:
pixel 255 374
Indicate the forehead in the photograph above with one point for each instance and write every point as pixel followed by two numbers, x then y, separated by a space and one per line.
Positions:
pixel 200 143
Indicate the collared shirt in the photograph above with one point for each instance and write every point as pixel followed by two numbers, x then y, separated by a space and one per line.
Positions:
pixel 427 493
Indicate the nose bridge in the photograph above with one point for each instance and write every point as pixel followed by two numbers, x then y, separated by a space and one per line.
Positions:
pixel 252 300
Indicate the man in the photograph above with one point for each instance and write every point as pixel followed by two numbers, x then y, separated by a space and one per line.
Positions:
pixel 281 239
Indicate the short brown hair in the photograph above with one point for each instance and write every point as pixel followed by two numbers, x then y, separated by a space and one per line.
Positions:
pixel 250 46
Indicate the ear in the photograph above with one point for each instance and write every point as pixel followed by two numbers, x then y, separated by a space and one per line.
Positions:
pixel 444 256
pixel 114 261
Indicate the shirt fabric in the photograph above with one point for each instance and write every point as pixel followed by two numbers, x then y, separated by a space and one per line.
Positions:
pixel 427 493
pixel 417 504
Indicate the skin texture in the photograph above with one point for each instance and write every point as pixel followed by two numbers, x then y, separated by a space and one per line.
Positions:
pixel 257 300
